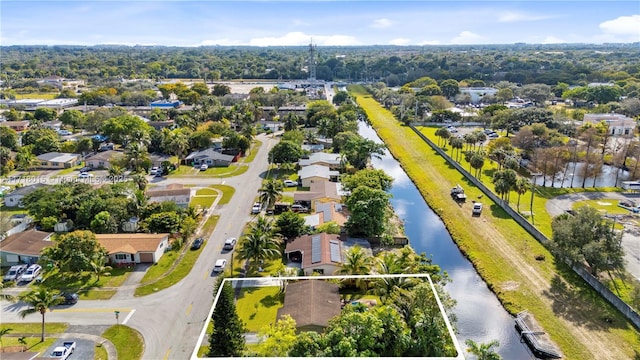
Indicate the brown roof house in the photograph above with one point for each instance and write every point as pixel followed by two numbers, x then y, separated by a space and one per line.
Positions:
pixel 102 160
pixel 134 248
pixel 176 193
pixel 24 247
pixel 311 303
pixel 318 253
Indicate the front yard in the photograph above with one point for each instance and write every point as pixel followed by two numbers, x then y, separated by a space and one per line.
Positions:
pixel 258 307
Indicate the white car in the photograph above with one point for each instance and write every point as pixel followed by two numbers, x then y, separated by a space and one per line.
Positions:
pixel 290 183
pixel 32 272
pixel 229 243
pixel 64 132
pixel 219 266
pixel 257 207
pixel 85 175
pixel 204 167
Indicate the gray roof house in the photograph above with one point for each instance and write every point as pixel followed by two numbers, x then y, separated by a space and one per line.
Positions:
pixel 315 173
pixel 14 198
pixel 332 161
pixel 311 303
pixel 209 157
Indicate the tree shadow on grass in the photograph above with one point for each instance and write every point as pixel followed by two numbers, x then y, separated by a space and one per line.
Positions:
pixel 272 300
pixel 498 212
pixel 582 306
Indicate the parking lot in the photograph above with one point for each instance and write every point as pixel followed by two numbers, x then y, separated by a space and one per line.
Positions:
pixel 84 348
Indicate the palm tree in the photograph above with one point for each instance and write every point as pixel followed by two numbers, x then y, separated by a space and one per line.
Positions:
pixel 386 264
pixel 356 262
pixel 521 187
pixel 483 351
pixel 136 155
pixel 99 267
pixel 39 301
pixel 261 243
pixel 270 191
pixel 3 332
pixel 140 180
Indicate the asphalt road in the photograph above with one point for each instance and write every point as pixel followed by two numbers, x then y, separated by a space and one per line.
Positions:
pixel 84 348
pixel 171 320
pixel 630 236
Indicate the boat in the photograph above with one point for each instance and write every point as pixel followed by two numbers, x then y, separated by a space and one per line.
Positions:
pixel 532 334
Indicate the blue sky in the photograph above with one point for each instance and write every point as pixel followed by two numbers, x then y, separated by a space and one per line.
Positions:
pixel 340 22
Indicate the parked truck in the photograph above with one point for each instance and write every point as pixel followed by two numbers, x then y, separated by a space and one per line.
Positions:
pixel 64 351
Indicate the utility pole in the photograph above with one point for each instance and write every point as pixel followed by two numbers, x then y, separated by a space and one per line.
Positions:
pixel 533 188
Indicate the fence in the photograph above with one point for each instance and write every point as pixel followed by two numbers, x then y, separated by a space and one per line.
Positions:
pixel 623 307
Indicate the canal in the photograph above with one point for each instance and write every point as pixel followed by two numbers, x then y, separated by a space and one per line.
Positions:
pixel 480 315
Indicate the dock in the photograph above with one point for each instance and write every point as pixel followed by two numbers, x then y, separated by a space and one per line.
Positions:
pixel 532 333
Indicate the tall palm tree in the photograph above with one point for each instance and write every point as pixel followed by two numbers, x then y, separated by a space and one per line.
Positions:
pixel 136 155
pixel 99 266
pixel 385 264
pixel 261 243
pixel 356 262
pixel 3 332
pixel 521 187
pixel 483 351
pixel 40 301
pixel 270 191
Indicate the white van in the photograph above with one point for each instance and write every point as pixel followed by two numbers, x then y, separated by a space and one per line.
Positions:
pixel 31 273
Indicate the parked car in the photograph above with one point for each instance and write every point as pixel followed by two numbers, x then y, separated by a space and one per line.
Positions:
pixel 219 266
pixel 31 273
pixel 290 183
pixel 204 167
pixel 229 243
pixel 86 169
pixel 154 170
pixel 64 351
pixel 257 207
pixel 64 132
pixel 197 243
pixel 477 209
pixel 493 135
pixel 68 298
pixel 14 272
pixel 299 208
pixel 85 175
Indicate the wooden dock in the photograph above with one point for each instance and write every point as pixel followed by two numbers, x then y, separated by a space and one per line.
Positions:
pixel 532 333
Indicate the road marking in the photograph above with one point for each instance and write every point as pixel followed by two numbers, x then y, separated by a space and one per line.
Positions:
pixel 128 316
pixel 166 355
pixel 89 310
pixel 189 308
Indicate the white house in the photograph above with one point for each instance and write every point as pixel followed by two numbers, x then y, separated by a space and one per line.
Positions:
pixel 24 247
pixel 332 161
pixel 210 157
pixel 176 193
pixel 56 160
pixel 316 173
pixel 14 198
pixel 102 160
pixel 618 124
pixel 134 248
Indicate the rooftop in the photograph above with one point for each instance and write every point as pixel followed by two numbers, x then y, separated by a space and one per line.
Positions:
pixel 130 243
pixel 30 242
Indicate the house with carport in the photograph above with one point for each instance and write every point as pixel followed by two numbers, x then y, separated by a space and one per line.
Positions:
pixel 134 248
pixel 24 247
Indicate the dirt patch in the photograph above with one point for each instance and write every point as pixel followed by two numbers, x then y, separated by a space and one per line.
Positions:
pixel 509 286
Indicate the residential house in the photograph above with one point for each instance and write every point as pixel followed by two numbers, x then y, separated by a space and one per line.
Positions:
pixel 618 124
pixel 159 125
pixel 332 212
pixel 313 148
pixel 332 161
pixel 210 157
pixel 319 190
pixel 56 160
pixel 316 173
pixel 176 193
pixel 102 160
pixel 15 197
pixel 318 253
pixel 24 247
pixel 158 159
pixel 53 125
pixel 134 248
pixel 311 303
pixel 16 125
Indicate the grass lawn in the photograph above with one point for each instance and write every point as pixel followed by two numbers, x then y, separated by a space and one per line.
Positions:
pixel 204 202
pixel 190 171
pixel 434 177
pixel 258 307
pixel 606 206
pixel 86 284
pixel 35 328
pixel 69 171
pixel 37 95
pixel 158 276
pixel 205 191
pixel 100 353
pixel 227 193
pixel 128 342
pixel 253 151
pixel 33 342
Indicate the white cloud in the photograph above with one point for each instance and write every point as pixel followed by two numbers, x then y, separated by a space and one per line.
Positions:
pixel 381 23
pixel 552 40
pixel 623 25
pixel 467 38
pixel 514 16
pixel 221 42
pixel 300 38
pixel 399 41
pixel 430 42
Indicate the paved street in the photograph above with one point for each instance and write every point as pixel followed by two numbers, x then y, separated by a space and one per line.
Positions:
pixel 171 320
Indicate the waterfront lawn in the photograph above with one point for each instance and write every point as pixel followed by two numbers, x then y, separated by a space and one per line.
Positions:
pixel 502 252
pixel 258 307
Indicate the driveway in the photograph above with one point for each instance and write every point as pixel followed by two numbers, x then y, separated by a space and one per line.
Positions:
pixel 630 236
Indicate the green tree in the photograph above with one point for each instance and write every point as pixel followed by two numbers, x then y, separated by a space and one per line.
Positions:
pixel 45 114
pixel 260 244
pixel 163 222
pixel 99 266
pixel 370 211
pixel 8 138
pixel 125 129
pixel 74 251
pixel 39 301
pixel 270 191
pixel 521 187
pixel 220 90
pixel 359 150
pixel 483 351
pixel 373 178
pixel 277 339
pixel 285 152
pixel 188 228
pixel 25 158
pixel 73 118
pixel 227 336
pixel 290 225
pixel 103 223
pixel 588 238
pixel 3 332
pixel 450 88
pixel 356 262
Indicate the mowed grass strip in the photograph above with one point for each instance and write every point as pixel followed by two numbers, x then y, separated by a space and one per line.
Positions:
pixel 434 178
pixel 258 307
pixel 128 341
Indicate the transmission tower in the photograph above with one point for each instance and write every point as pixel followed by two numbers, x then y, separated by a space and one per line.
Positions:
pixel 312 61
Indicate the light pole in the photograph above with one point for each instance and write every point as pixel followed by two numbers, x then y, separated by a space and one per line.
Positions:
pixel 533 187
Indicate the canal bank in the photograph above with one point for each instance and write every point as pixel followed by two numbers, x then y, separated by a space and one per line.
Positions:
pixel 505 255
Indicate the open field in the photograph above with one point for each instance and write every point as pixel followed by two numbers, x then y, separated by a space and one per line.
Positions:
pixel 504 254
